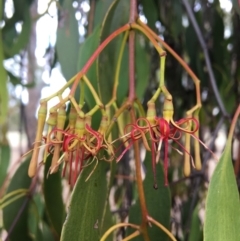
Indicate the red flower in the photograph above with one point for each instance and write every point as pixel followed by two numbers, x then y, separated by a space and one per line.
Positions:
pixel 77 147
pixel 157 133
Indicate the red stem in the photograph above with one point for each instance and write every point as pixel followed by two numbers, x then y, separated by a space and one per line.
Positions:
pixel 133 11
pixel 131 96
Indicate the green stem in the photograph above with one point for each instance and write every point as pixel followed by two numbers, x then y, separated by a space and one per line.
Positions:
pixel 81 101
pixel 15 192
pixel 116 226
pixel 169 234
pixel 177 57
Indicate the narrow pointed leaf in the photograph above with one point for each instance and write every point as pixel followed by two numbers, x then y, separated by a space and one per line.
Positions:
pixel 196 231
pixel 19 230
pixel 3 79
pixel 52 190
pixel 86 206
pixel 85 52
pixel 222 207
pixel 4 161
pixel 67 44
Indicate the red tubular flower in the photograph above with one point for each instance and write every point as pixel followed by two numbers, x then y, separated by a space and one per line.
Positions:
pixel 76 149
pixel 173 131
pixel 161 131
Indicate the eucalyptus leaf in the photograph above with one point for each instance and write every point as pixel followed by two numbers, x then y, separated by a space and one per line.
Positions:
pixel 4 161
pixel 86 206
pixel 196 231
pixel 21 40
pixel 15 215
pixel 3 78
pixel 150 10
pixel 85 52
pixel 52 190
pixel 67 44
pixel 116 16
pixel 142 68
pixel 222 219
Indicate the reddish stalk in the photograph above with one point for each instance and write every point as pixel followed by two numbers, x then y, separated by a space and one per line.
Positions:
pixel 140 184
pixel 132 19
pixel 95 55
pixel 131 95
pixel 177 57
pixel 233 124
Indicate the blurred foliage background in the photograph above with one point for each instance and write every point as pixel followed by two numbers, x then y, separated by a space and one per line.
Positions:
pixel 44 43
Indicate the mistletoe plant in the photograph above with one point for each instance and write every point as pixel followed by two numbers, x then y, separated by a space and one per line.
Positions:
pixel 74 144
pixel 87 155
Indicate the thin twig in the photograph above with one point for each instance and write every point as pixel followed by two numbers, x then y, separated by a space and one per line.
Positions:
pixel 206 55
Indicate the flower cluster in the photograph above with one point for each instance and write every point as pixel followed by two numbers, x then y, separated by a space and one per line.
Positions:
pixel 74 146
pixel 153 132
pixel 72 141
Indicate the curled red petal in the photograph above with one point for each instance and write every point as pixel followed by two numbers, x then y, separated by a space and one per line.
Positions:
pixel 97 135
pixel 187 121
pixel 148 128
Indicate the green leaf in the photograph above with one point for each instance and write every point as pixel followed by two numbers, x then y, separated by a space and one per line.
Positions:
pixel 52 190
pixel 21 40
pixel 20 230
pixel 196 232
pixel 34 214
pixel 45 233
pixel 85 52
pixel 142 68
pixel 86 206
pixel 150 10
pixel 3 79
pixel 116 16
pixel 102 7
pixel 67 44
pixel 158 202
pixel 222 206
pixel 4 161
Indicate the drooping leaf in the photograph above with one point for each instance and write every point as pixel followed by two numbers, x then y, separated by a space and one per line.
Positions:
pixel 150 10
pixel 196 231
pixel 3 79
pixel 52 190
pixel 4 161
pixel 15 44
pixel 86 206
pixel 142 68
pixel 67 44
pixel 102 6
pixel 222 219
pixel 116 16
pixel 158 202
pixel 45 234
pixel 34 215
pixel 15 215
pixel 85 52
